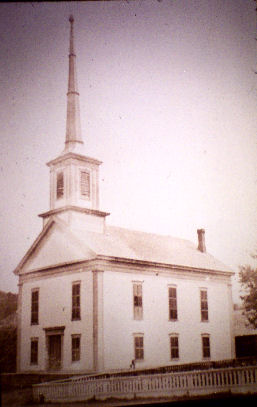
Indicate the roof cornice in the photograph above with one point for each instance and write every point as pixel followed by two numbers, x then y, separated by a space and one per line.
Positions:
pixel 74 208
pixel 75 156
pixel 146 263
pixel 100 262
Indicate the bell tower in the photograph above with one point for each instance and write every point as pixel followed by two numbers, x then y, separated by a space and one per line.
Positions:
pixel 74 177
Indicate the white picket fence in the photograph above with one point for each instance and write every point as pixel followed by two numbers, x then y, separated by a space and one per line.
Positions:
pixel 236 380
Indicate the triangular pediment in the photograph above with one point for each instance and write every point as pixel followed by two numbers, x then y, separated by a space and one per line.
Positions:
pixel 56 245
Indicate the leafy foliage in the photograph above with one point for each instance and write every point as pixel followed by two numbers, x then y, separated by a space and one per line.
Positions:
pixel 248 280
pixel 8 334
pixel 8 340
pixel 8 304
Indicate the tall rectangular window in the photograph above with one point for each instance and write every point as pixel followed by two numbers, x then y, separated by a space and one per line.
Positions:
pixel 206 348
pixel 34 306
pixel 174 349
pixel 204 304
pixel 59 185
pixel 75 301
pixel 173 311
pixel 75 348
pixel 34 351
pixel 139 347
pixel 85 184
pixel 138 300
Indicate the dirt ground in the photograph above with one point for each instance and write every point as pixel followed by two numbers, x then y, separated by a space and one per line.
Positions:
pixel 20 398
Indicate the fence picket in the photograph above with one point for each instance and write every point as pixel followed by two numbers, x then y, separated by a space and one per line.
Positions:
pixel 83 388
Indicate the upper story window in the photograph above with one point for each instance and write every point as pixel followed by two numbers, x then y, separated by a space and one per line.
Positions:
pixel 34 306
pixel 75 348
pixel 173 311
pixel 75 315
pixel 206 347
pixel 174 349
pixel 85 184
pixel 34 351
pixel 204 304
pixel 139 346
pixel 138 300
pixel 59 185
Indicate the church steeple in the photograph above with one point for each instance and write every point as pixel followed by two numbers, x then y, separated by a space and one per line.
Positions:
pixel 74 177
pixel 73 128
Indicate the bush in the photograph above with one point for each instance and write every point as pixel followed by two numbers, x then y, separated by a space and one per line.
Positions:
pixel 8 341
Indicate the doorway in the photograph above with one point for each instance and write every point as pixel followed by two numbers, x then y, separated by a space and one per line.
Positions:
pixel 54 352
pixel 54 346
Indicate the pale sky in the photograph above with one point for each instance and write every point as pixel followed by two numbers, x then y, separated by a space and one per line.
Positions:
pixel 168 103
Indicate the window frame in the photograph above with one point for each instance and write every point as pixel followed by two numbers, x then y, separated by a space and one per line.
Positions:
pixel 206 347
pixel 34 315
pixel 204 308
pixel 34 352
pixel 139 352
pixel 86 195
pixel 59 191
pixel 174 347
pixel 75 350
pixel 173 303
pixel 76 301
pixel 137 300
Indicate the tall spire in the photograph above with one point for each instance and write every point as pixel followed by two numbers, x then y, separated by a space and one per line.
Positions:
pixel 73 129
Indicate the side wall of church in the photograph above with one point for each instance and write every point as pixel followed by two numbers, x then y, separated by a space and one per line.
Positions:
pixel 120 327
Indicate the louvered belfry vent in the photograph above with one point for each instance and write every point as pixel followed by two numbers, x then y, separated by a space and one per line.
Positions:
pixel 85 184
pixel 59 185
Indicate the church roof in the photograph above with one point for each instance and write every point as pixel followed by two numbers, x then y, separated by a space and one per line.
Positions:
pixel 147 247
pixel 59 245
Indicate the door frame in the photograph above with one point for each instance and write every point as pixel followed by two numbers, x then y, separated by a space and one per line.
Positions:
pixel 51 331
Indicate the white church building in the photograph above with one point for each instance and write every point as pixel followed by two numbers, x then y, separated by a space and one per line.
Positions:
pixel 96 298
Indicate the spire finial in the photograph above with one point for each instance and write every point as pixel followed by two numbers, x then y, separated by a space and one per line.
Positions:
pixel 73 132
pixel 71 20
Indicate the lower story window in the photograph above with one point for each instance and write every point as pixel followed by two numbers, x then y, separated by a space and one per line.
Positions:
pixel 206 348
pixel 139 347
pixel 75 348
pixel 174 349
pixel 34 351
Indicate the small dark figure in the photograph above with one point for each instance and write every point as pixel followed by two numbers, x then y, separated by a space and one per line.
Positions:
pixel 132 364
pixel 41 398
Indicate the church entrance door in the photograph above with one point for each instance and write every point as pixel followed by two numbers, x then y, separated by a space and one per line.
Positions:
pixel 54 346
pixel 54 352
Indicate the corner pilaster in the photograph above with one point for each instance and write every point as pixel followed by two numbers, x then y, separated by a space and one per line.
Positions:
pixel 231 320
pixel 19 314
pixel 98 348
